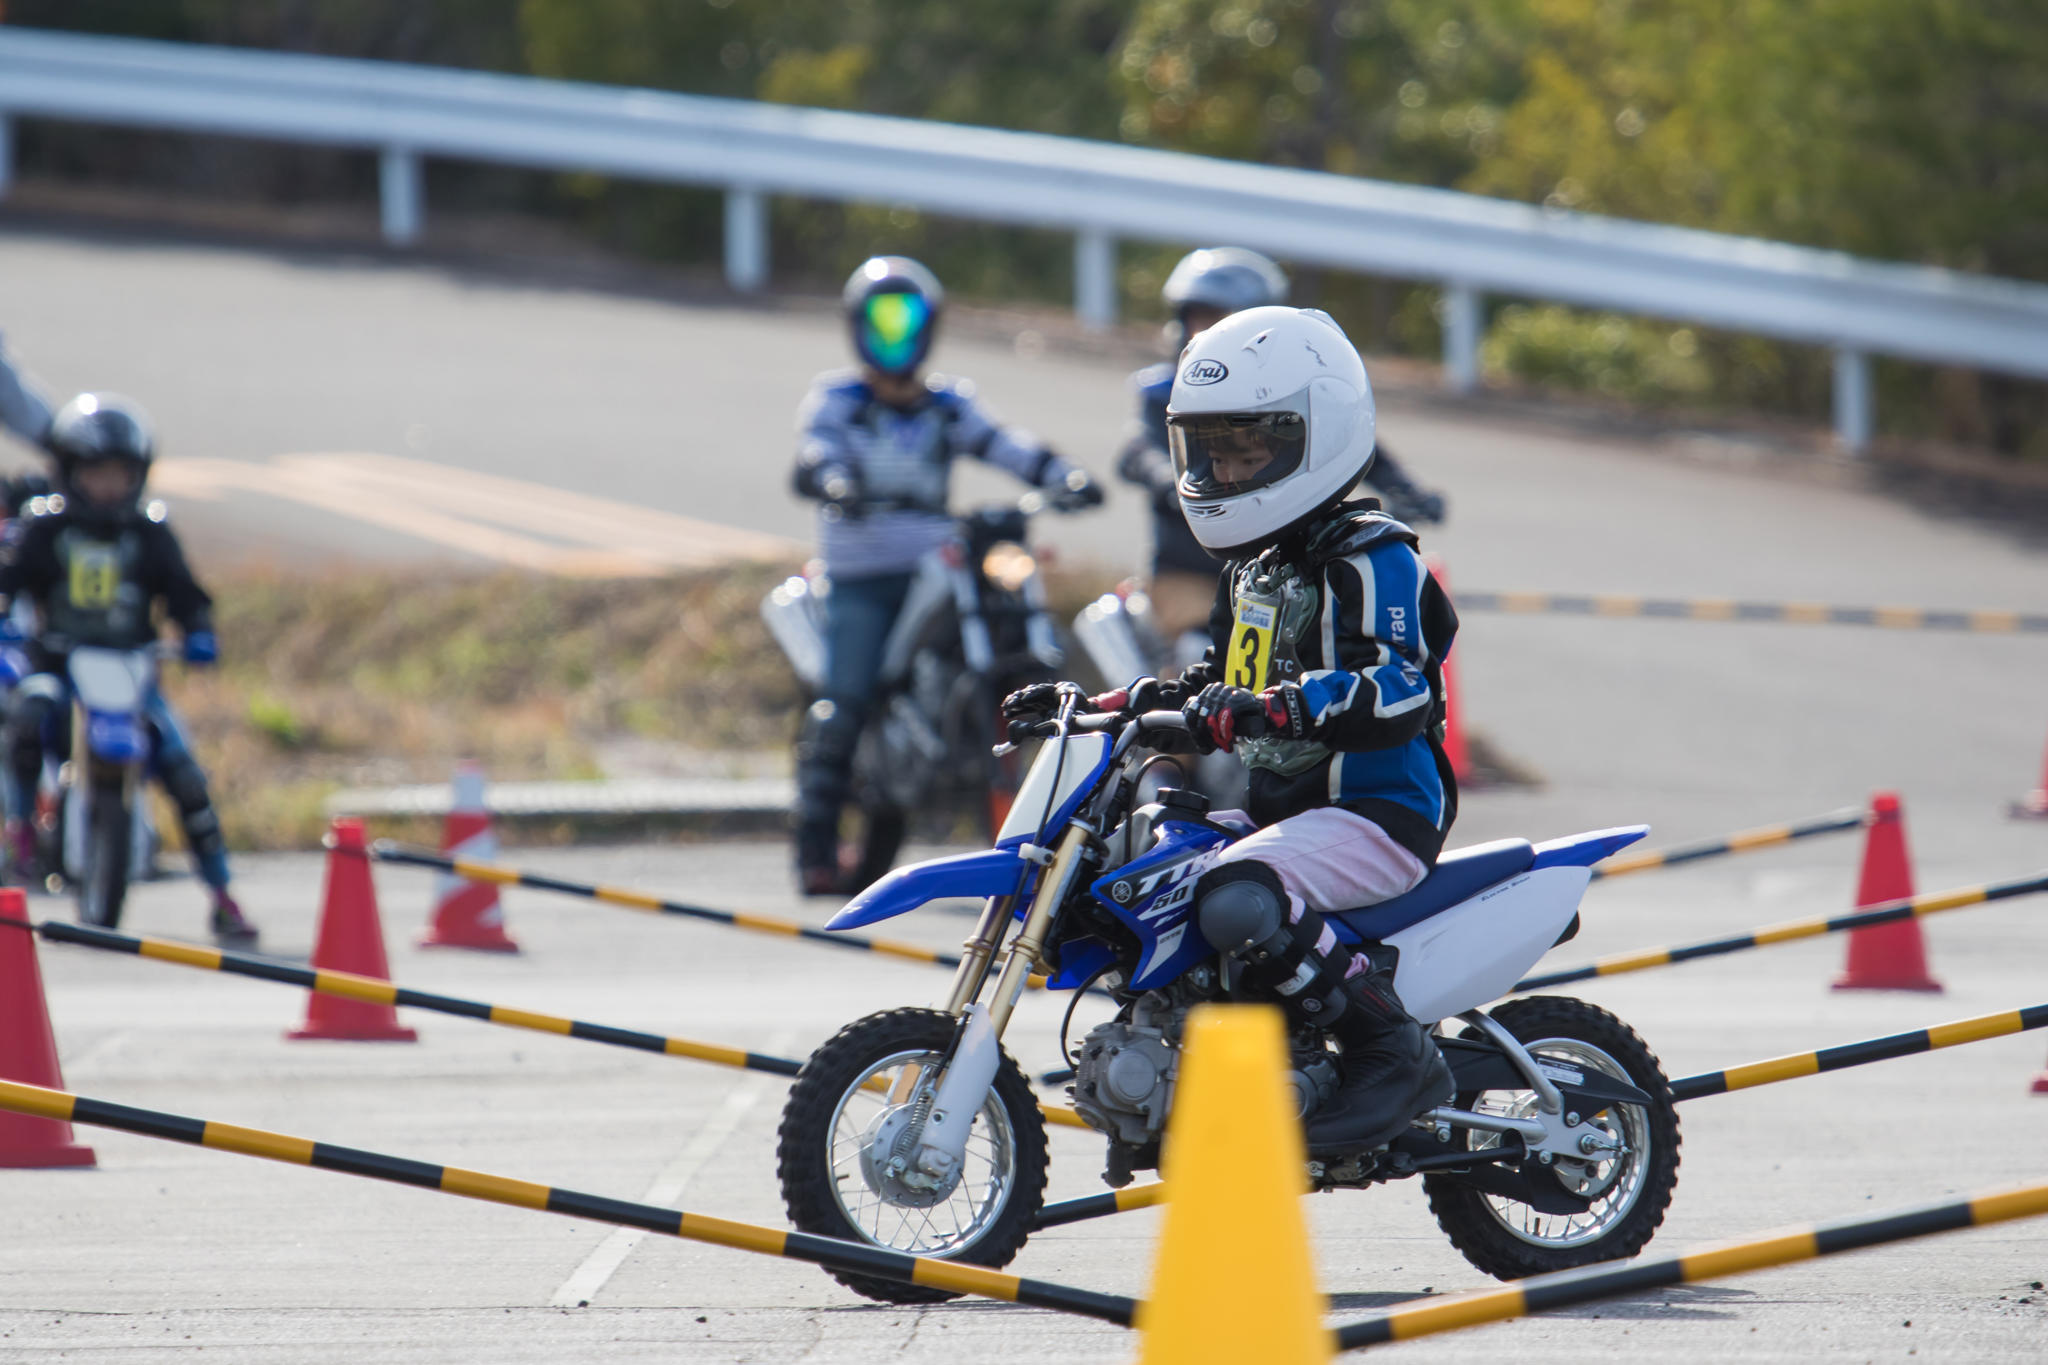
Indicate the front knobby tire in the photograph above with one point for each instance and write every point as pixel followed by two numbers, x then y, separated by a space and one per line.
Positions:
pixel 103 891
pixel 1509 1240
pixel 984 1222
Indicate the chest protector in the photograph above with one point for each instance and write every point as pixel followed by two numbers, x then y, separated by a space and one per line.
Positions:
pixel 98 599
pixel 1276 605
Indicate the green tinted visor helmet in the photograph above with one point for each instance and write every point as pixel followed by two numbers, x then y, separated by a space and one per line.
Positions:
pixel 892 304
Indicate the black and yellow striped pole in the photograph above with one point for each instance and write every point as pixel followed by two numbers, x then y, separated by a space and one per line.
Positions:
pixel 852 1257
pixel 1743 841
pixel 1100 1205
pixel 1798 1064
pixel 1983 622
pixel 386 851
pixel 377 991
pixel 1905 908
pixel 1783 1247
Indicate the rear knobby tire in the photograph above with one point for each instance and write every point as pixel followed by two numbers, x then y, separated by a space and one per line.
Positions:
pixel 811 1185
pixel 1479 1225
pixel 103 890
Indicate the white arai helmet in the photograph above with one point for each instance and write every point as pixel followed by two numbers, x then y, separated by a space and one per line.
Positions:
pixel 1271 418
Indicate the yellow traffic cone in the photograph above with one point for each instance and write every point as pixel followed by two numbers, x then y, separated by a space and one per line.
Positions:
pixel 1234 1281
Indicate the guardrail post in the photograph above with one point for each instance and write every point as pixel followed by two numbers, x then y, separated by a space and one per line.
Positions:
pixel 401 195
pixel 1461 337
pixel 6 153
pixel 746 239
pixel 1095 279
pixel 1854 400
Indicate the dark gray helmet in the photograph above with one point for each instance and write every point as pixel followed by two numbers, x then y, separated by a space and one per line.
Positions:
pixel 892 306
pixel 1228 278
pixel 97 427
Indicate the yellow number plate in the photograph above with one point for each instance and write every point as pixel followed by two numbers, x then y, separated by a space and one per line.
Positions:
pixel 95 576
pixel 1251 643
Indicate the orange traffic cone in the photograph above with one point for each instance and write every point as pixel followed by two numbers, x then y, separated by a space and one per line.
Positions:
pixel 1886 957
pixel 1454 734
pixel 2034 805
pixel 351 940
pixel 28 1049
pixel 467 914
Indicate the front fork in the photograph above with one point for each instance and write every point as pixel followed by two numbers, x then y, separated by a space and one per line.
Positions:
pixel 962 1085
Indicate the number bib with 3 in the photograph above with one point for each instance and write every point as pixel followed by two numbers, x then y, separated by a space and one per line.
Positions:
pixel 1251 641
pixel 95 576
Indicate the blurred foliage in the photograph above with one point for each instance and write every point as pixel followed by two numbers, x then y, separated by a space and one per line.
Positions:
pixel 1904 129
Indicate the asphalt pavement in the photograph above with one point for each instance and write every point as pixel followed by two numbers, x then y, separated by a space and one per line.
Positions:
pixel 346 377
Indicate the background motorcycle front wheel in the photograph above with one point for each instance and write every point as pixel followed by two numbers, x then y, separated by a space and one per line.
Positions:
pixel 103 889
pixel 1628 1194
pixel 845 1090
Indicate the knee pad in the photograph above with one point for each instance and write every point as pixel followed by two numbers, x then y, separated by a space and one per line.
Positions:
pixel 1241 909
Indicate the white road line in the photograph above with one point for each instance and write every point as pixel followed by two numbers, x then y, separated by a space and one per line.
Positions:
pixel 581 1288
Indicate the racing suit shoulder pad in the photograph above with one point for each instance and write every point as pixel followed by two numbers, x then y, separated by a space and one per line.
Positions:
pixel 1355 528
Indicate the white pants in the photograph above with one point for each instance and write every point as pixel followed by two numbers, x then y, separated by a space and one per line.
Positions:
pixel 1328 859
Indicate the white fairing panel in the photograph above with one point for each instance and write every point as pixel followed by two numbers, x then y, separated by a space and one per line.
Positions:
pixel 1084 754
pixel 1472 953
pixel 111 679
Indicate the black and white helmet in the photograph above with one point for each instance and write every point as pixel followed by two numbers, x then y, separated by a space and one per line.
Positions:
pixel 1228 279
pixel 94 428
pixel 1270 421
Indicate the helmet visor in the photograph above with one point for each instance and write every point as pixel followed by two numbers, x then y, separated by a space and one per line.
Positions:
pixel 1221 455
pixel 892 329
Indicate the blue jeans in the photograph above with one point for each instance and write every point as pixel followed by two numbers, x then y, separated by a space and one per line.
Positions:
pixel 859 614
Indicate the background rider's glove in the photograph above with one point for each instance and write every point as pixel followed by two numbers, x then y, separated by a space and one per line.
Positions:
pixel 1075 492
pixel 201 647
pixel 1222 715
pixel 840 488
pixel 1035 702
pixel 1286 712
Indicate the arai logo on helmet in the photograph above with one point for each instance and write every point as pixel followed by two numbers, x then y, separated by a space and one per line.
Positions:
pixel 1205 372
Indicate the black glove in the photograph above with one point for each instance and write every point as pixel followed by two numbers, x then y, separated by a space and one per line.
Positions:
pixel 1222 715
pixel 1417 506
pixel 840 489
pixel 1075 492
pixel 1034 702
pixel 1286 712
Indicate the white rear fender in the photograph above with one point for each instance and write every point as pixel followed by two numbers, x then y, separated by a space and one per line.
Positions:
pixel 1472 953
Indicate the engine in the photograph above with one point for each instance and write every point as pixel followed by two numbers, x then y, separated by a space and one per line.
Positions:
pixel 1125 1073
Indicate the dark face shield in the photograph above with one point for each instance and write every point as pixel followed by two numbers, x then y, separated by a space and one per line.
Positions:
pixel 1223 455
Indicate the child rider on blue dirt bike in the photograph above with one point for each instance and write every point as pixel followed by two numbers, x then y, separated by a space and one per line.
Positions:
pixel 95 561
pixel 1324 676
pixel 876 447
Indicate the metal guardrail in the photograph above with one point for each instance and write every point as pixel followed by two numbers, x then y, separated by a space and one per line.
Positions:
pixel 1100 191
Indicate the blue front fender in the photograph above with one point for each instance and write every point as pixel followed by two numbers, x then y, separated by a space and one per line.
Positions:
pixel 997 872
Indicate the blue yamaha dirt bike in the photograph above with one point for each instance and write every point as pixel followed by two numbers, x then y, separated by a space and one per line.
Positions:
pixel 913 1130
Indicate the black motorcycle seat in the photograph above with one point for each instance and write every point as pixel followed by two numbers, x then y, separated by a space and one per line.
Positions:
pixel 1458 875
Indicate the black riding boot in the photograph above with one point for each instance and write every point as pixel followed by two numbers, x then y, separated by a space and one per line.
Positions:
pixel 1393 1072
pixel 824 777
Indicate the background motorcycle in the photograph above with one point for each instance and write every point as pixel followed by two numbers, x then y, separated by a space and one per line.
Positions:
pixel 973 629
pixel 102 834
pixel 913 1130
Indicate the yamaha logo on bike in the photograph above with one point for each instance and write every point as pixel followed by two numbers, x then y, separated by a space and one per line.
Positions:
pixel 1205 372
pixel 1121 893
